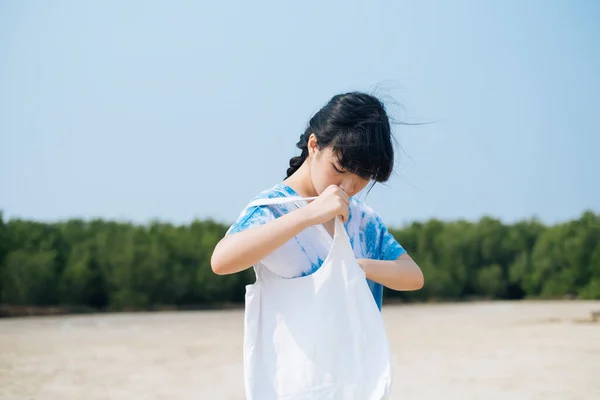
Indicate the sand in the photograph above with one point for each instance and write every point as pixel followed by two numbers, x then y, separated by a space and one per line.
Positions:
pixel 495 350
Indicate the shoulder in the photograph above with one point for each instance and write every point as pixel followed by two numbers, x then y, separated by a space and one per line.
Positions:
pixel 279 190
pixel 362 212
pixel 256 215
pixel 373 233
pixel 269 193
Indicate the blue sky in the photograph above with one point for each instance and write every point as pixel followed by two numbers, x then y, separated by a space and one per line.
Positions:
pixel 181 110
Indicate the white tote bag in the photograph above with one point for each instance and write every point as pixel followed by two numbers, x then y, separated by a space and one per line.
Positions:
pixel 319 336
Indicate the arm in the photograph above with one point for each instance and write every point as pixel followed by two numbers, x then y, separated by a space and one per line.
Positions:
pixel 400 274
pixel 387 262
pixel 239 251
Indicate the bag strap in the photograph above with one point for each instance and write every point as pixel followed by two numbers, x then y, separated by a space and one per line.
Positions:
pixel 279 200
pixel 339 225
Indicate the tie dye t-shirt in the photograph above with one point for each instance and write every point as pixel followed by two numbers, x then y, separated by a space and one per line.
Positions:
pixel 304 254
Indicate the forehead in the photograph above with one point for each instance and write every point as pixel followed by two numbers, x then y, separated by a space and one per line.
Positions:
pixel 330 154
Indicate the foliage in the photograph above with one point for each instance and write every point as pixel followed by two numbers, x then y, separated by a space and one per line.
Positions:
pixel 116 266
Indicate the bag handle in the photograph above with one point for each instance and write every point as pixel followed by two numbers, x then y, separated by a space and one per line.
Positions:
pixel 338 226
pixel 279 200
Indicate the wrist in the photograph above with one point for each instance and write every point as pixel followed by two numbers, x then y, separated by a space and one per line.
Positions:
pixel 305 218
pixel 363 263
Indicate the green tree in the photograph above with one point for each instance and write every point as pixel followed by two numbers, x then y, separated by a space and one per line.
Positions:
pixel 119 266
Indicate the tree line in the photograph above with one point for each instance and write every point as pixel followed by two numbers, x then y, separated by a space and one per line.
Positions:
pixel 108 265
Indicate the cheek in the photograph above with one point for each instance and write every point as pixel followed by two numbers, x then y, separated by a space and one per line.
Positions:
pixel 323 177
pixel 362 183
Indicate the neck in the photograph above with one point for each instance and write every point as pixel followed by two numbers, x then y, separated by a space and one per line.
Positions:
pixel 301 183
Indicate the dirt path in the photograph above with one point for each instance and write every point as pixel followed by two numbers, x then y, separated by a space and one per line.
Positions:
pixel 525 350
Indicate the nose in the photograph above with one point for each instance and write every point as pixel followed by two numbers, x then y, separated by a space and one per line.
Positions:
pixel 348 187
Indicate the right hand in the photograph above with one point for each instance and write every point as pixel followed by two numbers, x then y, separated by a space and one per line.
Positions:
pixel 331 203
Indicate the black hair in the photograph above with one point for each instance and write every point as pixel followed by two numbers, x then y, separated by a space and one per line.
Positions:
pixel 357 128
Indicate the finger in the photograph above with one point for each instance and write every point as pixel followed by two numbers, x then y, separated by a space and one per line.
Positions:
pixel 345 215
pixel 347 200
pixel 344 196
pixel 342 206
pixel 344 202
pixel 341 191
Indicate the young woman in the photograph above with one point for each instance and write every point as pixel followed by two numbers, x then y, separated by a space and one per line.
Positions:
pixel 346 146
pixel 311 327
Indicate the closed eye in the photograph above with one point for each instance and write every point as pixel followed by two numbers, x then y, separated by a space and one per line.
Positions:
pixel 339 171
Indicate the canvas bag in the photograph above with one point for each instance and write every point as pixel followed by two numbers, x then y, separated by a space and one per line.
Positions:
pixel 319 336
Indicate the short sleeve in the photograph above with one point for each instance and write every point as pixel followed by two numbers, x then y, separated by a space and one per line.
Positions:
pixel 251 217
pixel 380 243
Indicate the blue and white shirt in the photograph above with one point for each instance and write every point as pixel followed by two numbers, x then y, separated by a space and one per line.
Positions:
pixel 305 253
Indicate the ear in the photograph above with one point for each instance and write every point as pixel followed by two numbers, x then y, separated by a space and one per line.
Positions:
pixel 313 146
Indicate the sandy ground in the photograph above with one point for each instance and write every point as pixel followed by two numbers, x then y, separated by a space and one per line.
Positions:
pixel 524 350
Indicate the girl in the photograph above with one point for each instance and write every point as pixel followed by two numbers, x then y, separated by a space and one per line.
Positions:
pixel 346 146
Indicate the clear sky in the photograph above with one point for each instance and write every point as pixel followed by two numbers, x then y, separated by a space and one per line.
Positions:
pixel 176 110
